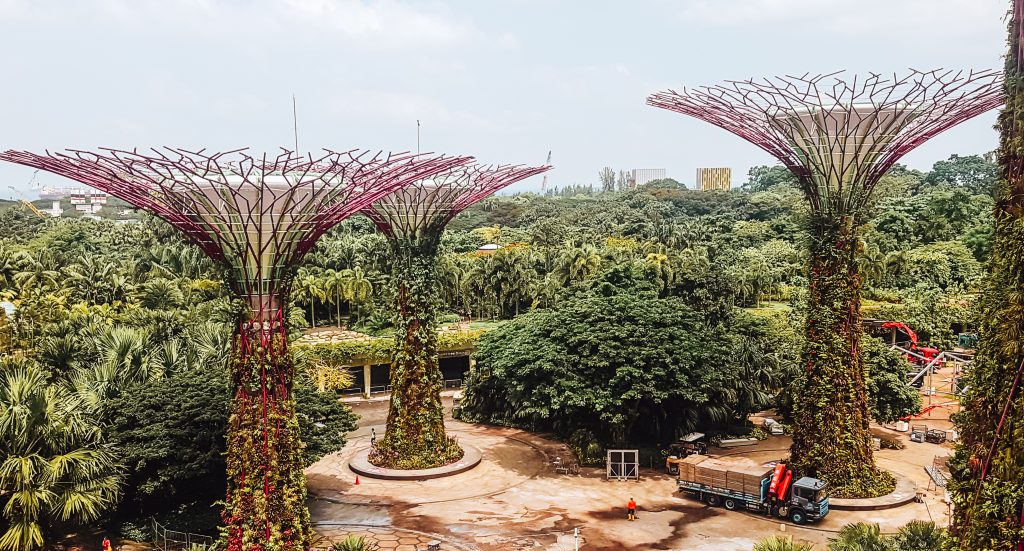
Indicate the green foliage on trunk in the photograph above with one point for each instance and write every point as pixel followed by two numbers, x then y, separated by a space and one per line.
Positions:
pixel 415 437
pixel 831 439
pixel 266 498
pixel 988 469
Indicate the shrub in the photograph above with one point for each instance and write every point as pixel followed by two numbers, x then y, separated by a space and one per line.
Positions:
pixel 892 444
pixel 860 536
pixel 586 447
pixel 779 543
pixel 354 543
pixel 919 535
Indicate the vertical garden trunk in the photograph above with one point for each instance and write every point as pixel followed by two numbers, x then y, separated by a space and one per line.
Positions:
pixel 266 497
pixel 415 436
pixel 831 439
pixel 988 466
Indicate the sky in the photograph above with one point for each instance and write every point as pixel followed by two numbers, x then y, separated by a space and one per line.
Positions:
pixel 505 81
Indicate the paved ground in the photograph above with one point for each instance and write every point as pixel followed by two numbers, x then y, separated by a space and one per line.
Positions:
pixel 514 500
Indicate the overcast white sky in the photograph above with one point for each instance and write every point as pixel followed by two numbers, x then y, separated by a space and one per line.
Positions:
pixel 506 81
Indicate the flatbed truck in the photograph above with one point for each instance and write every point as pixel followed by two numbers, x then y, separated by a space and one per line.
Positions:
pixel 737 483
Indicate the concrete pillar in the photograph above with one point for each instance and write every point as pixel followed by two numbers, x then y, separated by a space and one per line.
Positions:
pixel 366 380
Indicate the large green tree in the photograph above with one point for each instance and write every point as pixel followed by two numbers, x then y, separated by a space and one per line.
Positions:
pixel 629 367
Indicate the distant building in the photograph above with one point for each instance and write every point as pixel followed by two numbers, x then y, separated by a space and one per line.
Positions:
pixel 84 200
pixel 89 202
pixel 488 248
pixel 714 178
pixel 641 176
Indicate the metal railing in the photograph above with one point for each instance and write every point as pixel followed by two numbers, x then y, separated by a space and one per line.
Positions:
pixel 931 364
pixel 172 540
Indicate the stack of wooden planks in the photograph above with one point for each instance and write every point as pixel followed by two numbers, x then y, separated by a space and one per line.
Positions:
pixel 724 473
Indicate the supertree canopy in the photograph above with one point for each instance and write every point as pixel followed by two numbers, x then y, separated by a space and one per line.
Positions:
pixel 839 137
pixel 414 218
pixel 987 487
pixel 257 216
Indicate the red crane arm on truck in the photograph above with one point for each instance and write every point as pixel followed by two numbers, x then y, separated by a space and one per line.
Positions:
pixel 902 327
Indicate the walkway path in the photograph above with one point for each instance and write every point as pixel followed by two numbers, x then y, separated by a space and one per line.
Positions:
pixel 514 500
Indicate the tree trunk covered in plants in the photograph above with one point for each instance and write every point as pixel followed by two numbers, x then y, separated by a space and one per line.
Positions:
pixel 831 440
pixel 988 466
pixel 266 507
pixel 415 436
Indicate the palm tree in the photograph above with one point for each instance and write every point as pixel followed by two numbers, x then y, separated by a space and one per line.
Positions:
pixel 37 274
pixel 358 288
pixel 334 284
pixel 919 535
pixel 477 285
pixel 860 536
pixel 159 294
pixel 779 543
pixel 752 391
pixel 578 263
pixel 872 264
pixel 211 342
pixel 125 355
pixel 60 352
pixel 660 265
pixel 451 274
pixel 510 276
pixel 307 289
pixel 56 466
pixel 8 268
pixel 88 276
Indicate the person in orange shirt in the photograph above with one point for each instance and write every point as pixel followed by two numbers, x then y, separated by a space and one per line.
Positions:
pixel 631 509
pixel 106 544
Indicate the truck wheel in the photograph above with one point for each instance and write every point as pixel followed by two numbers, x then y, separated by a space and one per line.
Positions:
pixel 782 511
pixel 798 517
pixel 729 504
pixel 714 500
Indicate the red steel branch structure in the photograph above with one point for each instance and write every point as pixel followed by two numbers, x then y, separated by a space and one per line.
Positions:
pixel 257 216
pixel 839 137
pixel 414 218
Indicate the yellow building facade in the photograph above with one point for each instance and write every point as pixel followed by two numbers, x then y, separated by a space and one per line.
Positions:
pixel 714 178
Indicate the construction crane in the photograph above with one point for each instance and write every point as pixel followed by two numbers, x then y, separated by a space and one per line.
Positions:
pixel 35 180
pixel 544 182
pixel 28 204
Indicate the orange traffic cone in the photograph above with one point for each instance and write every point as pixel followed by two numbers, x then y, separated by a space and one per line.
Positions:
pixel 357 480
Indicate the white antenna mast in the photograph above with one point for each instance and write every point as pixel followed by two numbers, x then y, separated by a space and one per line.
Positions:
pixel 544 182
pixel 295 123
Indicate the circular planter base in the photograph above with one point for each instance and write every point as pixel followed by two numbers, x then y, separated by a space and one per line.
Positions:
pixel 361 465
pixel 904 493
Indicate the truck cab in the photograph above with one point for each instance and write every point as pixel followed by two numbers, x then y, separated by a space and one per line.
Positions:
pixel 808 500
pixel 691 444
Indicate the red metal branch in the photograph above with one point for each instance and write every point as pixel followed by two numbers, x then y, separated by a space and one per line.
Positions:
pixel 845 134
pixel 426 206
pixel 257 214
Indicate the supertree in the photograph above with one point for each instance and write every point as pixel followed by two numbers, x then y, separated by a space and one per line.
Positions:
pixel 987 488
pixel 414 218
pixel 257 217
pixel 838 137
